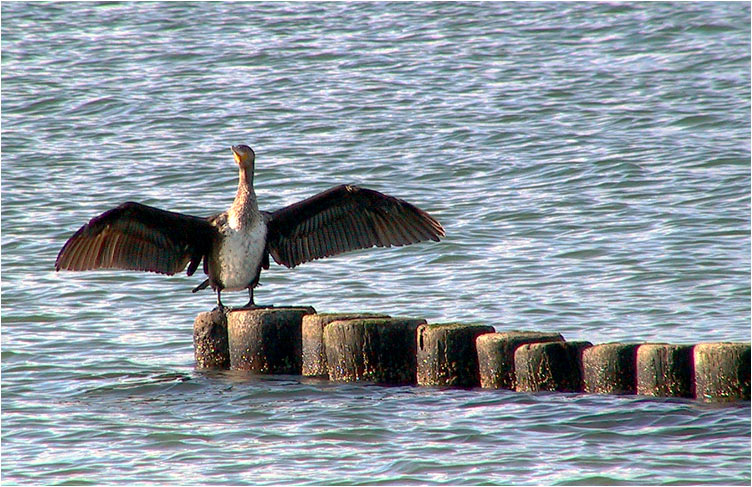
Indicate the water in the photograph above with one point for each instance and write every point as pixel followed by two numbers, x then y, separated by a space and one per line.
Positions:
pixel 590 163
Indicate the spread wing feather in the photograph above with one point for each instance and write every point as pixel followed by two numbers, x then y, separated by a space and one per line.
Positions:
pixel 345 218
pixel 138 237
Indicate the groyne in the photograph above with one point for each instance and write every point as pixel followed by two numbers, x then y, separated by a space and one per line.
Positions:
pixel 409 351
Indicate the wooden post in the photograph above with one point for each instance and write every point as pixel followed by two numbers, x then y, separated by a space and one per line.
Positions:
pixel 380 350
pixel 210 347
pixel 722 371
pixel 447 355
pixel 665 370
pixel 314 355
pixel 266 340
pixel 496 355
pixel 552 366
pixel 610 368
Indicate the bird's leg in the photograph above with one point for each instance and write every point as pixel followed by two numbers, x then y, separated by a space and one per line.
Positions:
pixel 251 304
pixel 220 306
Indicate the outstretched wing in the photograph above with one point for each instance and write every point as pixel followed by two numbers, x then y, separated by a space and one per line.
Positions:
pixel 346 218
pixel 138 237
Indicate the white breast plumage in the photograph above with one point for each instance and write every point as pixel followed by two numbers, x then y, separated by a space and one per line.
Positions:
pixel 241 253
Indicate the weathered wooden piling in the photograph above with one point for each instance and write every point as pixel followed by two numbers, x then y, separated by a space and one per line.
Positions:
pixel 447 355
pixel 665 370
pixel 210 347
pixel 496 355
pixel 266 340
pixel 380 350
pixel 610 368
pixel 722 371
pixel 314 355
pixel 551 366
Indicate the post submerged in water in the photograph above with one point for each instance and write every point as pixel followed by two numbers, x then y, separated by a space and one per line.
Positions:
pixel 266 340
pixel 722 371
pixel 314 355
pixel 550 366
pixel 210 347
pixel 380 350
pixel 496 355
pixel 447 355
pixel 665 370
pixel 610 368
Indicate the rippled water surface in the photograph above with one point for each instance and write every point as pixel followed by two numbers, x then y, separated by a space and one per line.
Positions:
pixel 590 163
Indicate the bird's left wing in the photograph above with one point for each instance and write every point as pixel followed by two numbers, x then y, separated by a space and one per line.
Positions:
pixel 345 218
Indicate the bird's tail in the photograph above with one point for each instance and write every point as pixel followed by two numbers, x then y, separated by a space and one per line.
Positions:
pixel 201 286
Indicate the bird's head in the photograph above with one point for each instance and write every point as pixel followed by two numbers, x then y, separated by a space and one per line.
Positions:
pixel 244 156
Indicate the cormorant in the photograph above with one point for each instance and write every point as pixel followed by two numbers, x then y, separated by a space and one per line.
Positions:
pixel 235 245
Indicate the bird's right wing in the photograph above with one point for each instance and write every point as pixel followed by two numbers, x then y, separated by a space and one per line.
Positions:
pixel 138 237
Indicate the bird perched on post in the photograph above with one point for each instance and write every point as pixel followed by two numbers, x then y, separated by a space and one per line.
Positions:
pixel 235 244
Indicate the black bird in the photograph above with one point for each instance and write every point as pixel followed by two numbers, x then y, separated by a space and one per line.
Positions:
pixel 235 244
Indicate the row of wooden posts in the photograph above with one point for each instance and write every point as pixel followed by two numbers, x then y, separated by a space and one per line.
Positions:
pixel 403 351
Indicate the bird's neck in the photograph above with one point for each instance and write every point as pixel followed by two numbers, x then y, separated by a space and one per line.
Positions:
pixel 245 199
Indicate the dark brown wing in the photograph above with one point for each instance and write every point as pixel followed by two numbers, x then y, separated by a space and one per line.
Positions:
pixel 346 218
pixel 138 237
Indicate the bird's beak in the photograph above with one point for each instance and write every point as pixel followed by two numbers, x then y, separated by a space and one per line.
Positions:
pixel 235 154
